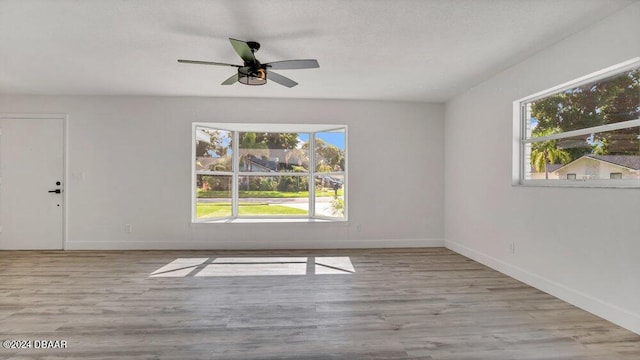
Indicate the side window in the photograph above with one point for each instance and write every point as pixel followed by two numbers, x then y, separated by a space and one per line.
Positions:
pixel 329 175
pixel 587 130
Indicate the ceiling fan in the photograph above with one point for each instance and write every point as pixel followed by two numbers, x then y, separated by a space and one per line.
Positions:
pixel 255 73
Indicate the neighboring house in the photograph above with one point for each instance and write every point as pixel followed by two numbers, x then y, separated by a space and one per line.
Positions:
pixel 592 167
pixel 279 160
pixel 551 168
pixel 250 164
pixel 253 164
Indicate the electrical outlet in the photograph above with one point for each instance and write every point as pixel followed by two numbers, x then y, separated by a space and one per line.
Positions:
pixel 512 248
pixel 127 228
pixel 358 228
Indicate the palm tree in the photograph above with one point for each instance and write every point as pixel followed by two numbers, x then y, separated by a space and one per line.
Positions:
pixel 547 152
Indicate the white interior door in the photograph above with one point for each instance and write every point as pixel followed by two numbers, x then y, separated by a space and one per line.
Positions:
pixel 31 172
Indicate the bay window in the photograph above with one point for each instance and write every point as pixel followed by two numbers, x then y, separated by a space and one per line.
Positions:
pixel 269 171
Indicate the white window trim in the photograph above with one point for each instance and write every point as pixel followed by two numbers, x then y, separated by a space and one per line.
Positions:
pixel 586 131
pixel 236 128
pixel 519 136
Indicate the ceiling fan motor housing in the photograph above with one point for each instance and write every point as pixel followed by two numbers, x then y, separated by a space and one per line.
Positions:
pixel 254 46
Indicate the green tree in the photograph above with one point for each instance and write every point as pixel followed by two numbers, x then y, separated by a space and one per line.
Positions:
pixel 296 159
pixel 606 101
pixel 547 152
pixel 203 147
pixel 217 147
pixel 266 141
pixel 279 140
pixel 328 157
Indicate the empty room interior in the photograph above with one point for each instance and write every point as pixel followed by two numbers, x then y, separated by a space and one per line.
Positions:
pixel 320 179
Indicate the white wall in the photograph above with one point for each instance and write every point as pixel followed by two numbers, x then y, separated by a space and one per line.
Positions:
pixel 590 256
pixel 135 157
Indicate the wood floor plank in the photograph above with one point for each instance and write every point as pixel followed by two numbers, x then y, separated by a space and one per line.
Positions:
pixel 398 304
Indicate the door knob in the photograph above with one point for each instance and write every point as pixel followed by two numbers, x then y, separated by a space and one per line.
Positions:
pixel 57 191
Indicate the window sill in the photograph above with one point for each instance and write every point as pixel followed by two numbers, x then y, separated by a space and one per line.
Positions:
pixel 603 184
pixel 270 221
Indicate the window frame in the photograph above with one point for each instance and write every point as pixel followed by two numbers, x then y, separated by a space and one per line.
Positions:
pixel 520 162
pixel 236 173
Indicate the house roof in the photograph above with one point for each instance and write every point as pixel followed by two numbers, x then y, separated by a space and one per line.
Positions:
pixel 628 161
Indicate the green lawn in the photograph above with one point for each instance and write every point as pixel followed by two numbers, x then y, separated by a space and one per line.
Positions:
pixel 220 210
pixel 266 194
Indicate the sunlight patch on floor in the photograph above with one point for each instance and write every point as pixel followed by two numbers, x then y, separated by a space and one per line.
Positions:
pixel 180 267
pixel 251 260
pixel 334 265
pixel 244 269
pixel 256 266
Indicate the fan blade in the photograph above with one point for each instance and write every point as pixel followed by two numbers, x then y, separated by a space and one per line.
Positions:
pixel 282 80
pixel 232 80
pixel 293 64
pixel 206 63
pixel 243 49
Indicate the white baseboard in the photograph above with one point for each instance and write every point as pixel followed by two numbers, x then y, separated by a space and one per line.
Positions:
pixel 253 244
pixel 613 313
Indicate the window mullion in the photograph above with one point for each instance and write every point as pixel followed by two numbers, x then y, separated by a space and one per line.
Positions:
pixel 524 131
pixel 312 173
pixel 235 178
pixel 194 176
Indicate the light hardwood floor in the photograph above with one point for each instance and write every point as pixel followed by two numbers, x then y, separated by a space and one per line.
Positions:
pixel 399 304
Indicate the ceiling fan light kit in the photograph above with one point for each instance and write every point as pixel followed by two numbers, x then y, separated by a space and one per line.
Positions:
pixel 252 72
pixel 247 77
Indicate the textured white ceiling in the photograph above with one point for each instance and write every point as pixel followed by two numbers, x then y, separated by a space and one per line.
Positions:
pixel 407 50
